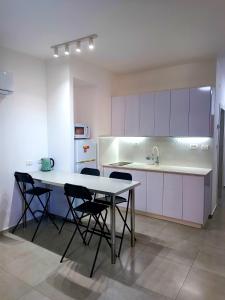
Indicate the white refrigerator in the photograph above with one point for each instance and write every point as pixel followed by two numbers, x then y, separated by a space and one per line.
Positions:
pixel 85 151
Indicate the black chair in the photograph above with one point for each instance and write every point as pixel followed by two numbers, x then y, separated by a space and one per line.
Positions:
pixel 118 200
pixel 88 207
pixel 84 171
pixel 24 180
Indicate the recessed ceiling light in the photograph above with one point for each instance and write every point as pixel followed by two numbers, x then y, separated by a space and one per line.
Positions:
pixel 78 47
pixel 56 53
pixel 91 44
pixel 67 50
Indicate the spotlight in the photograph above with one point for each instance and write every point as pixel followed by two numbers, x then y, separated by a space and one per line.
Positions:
pixel 67 51
pixel 91 44
pixel 78 47
pixel 56 53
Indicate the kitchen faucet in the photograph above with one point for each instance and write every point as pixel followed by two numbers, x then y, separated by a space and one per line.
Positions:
pixel 155 150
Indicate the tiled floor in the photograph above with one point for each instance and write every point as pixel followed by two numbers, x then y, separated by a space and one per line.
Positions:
pixel 169 261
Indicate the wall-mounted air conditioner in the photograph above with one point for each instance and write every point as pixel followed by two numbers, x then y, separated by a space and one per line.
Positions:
pixel 6 83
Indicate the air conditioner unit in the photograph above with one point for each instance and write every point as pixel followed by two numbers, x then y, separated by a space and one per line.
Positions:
pixel 6 83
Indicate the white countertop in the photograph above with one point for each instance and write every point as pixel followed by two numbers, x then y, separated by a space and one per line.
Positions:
pixel 98 184
pixel 164 168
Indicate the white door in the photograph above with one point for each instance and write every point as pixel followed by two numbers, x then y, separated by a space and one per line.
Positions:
pixel 179 112
pixel 199 116
pixel 162 113
pixel 155 193
pixel 193 199
pixel 132 115
pixel 118 116
pixel 172 196
pixel 147 114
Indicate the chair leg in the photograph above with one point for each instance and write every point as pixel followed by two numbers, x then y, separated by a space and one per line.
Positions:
pixel 67 247
pixel 122 217
pixel 47 213
pixel 85 236
pixel 27 207
pixel 124 226
pixel 100 240
pixel 64 221
pixel 42 216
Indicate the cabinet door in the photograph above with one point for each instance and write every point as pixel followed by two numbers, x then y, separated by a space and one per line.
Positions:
pixel 162 113
pixel 193 199
pixel 132 116
pixel 118 114
pixel 172 196
pixel 179 112
pixel 155 193
pixel 199 116
pixel 140 191
pixel 147 115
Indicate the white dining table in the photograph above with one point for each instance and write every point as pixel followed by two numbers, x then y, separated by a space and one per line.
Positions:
pixel 96 184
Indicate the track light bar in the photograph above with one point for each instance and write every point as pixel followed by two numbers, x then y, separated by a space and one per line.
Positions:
pixel 77 42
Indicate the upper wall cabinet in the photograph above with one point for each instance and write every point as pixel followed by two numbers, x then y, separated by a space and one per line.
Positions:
pixel 162 113
pixel 200 109
pixel 118 115
pixel 182 112
pixel 147 115
pixel 179 112
pixel 132 116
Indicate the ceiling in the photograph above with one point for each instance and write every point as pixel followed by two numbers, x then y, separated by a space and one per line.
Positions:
pixel 133 34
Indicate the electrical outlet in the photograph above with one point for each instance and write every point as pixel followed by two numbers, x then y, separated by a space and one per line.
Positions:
pixel 29 163
pixel 193 146
pixel 204 147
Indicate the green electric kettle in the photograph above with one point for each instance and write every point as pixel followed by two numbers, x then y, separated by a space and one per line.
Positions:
pixel 47 164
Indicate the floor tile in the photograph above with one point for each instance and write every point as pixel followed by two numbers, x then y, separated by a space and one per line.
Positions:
pixel 11 288
pixel 202 285
pixel 34 295
pixel 164 277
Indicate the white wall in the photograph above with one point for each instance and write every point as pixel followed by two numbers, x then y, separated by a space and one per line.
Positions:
pixel 97 110
pixel 202 73
pixel 60 115
pixel 23 127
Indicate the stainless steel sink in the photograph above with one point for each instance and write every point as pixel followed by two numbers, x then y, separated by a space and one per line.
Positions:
pixel 120 163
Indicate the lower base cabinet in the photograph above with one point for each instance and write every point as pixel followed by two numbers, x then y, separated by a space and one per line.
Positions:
pixel 193 199
pixel 155 193
pixel 183 197
pixel 172 196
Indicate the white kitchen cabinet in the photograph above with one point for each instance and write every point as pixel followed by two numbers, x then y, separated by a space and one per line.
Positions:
pixel 132 115
pixel 200 108
pixel 193 199
pixel 179 112
pixel 118 116
pixel 155 193
pixel 140 191
pixel 147 114
pixel 162 113
pixel 172 196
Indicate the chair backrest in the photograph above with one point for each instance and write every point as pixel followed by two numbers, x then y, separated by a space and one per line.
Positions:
pixel 77 191
pixel 23 178
pixel 90 171
pixel 121 175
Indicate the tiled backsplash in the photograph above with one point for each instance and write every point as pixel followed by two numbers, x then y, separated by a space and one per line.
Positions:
pixel 187 151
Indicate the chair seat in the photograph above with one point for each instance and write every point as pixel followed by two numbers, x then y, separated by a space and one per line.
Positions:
pixel 107 200
pixel 90 208
pixel 38 191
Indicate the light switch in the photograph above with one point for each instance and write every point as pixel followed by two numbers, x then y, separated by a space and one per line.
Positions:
pixel 193 146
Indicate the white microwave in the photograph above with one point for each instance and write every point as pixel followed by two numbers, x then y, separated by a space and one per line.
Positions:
pixel 81 131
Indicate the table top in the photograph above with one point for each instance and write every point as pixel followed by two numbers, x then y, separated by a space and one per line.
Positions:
pixel 99 184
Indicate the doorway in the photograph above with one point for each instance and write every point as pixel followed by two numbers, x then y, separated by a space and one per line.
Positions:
pixel 221 153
